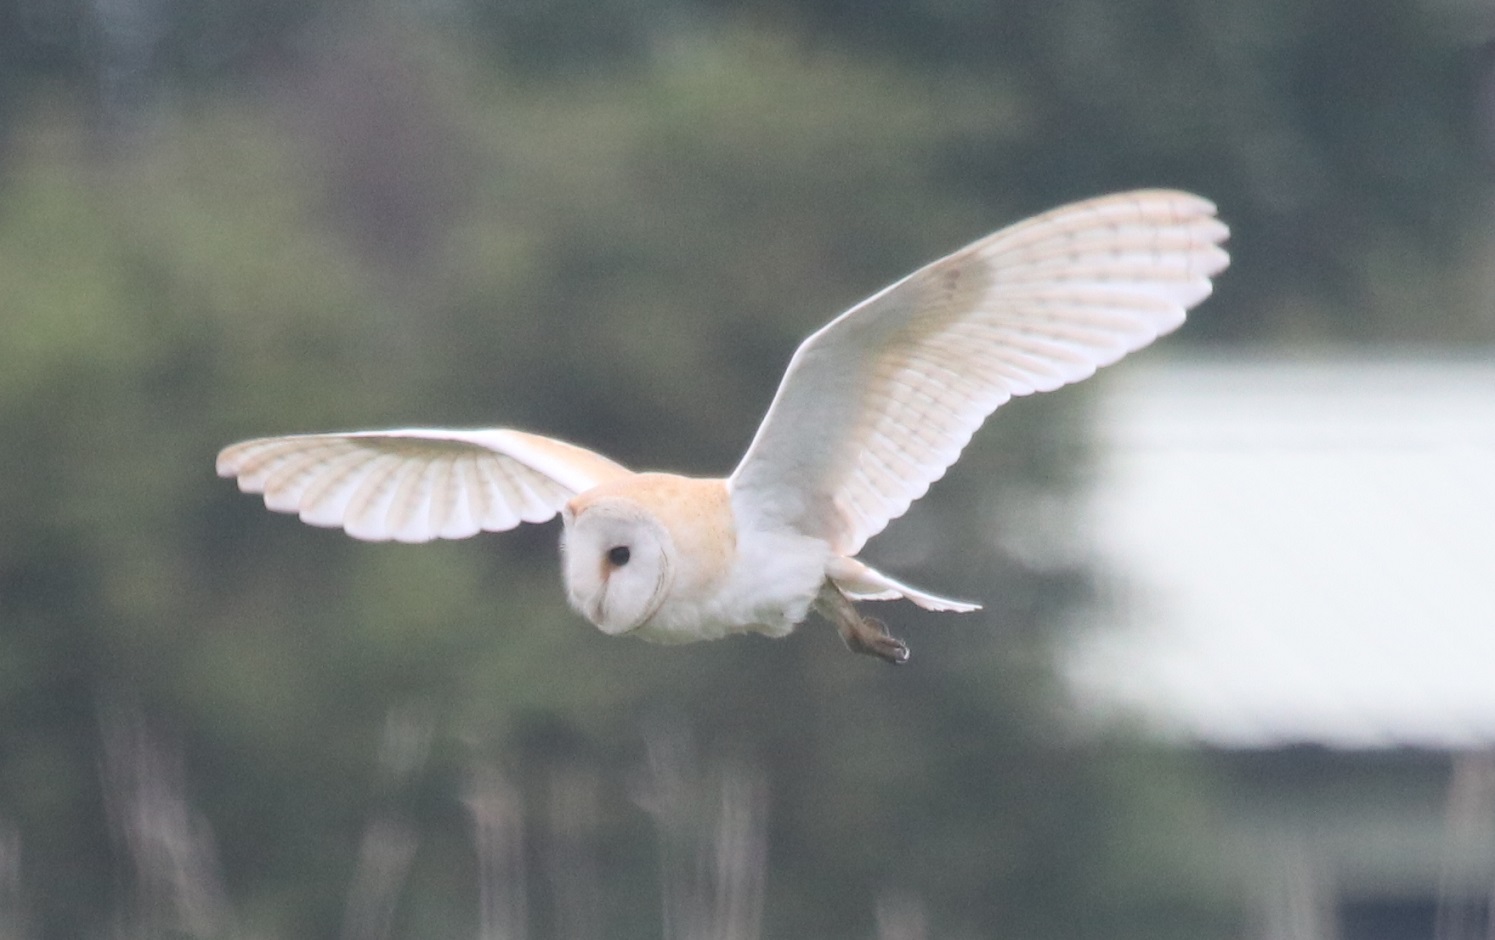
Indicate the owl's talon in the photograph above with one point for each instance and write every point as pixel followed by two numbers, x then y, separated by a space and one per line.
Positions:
pixel 860 634
pixel 871 637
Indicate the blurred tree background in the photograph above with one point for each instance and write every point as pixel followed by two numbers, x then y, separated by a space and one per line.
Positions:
pixel 612 221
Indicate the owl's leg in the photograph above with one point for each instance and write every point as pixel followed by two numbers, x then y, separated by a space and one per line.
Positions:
pixel 861 634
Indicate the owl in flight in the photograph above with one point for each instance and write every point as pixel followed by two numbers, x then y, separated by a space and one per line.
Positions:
pixel 874 407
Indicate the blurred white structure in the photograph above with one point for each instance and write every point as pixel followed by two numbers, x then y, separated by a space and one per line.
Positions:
pixel 1298 570
pixel 1297 552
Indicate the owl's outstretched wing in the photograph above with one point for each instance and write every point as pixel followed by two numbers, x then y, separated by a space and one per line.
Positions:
pixel 415 485
pixel 877 404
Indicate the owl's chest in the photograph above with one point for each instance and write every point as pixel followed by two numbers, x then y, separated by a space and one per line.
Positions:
pixel 766 589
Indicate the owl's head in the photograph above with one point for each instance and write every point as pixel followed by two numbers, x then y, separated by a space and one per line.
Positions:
pixel 618 559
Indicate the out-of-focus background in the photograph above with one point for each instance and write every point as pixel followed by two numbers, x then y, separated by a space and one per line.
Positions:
pixel 1234 674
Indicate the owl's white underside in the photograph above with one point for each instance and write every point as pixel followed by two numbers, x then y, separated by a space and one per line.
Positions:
pixel 874 407
pixel 768 590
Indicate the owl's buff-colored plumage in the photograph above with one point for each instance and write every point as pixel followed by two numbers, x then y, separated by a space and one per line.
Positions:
pixel 874 407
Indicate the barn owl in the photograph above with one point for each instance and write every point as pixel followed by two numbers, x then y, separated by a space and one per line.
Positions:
pixel 874 407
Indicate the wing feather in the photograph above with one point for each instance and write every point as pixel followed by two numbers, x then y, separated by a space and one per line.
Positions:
pixel 290 478
pixel 502 499
pixel 877 405
pixel 468 501
pixel 415 485
pixel 444 511
pixel 364 517
pixel 326 496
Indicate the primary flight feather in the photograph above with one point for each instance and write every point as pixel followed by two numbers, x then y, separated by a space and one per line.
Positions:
pixel 874 407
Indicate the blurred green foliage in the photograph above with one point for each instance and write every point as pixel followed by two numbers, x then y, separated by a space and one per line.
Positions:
pixel 613 222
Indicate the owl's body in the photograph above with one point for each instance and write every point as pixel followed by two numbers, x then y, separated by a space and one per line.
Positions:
pixel 875 406
pixel 725 578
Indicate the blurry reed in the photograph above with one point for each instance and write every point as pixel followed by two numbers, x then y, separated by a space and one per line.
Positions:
pixel 712 827
pixel 709 816
pixel 1467 911
pixel 177 886
pixel 389 842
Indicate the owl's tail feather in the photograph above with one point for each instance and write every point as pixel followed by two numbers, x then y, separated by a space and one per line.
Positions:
pixel 862 582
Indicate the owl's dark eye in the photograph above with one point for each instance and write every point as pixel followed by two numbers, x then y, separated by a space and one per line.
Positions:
pixel 618 555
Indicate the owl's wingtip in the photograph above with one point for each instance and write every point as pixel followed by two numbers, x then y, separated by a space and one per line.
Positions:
pixel 942 604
